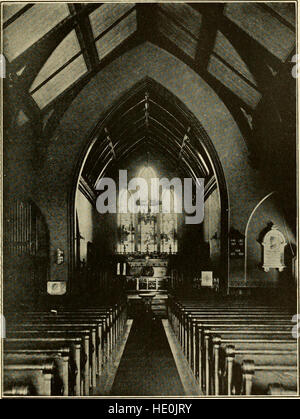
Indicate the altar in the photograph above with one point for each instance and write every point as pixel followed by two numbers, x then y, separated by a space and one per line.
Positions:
pixel 147 275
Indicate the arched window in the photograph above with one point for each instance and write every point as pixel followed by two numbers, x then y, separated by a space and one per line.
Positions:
pixel 168 227
pixel 126 226
pixel 151 230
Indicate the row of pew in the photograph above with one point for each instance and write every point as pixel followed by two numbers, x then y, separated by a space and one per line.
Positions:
pixel 60 353
pixel 233 349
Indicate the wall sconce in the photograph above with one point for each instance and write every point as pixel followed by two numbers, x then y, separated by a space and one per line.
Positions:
pixel 59 256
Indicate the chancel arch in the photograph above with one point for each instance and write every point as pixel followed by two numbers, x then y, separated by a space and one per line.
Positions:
pixel 240 177
pixel 166 143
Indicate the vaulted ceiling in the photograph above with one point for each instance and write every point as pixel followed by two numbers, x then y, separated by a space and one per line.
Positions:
pixel 54 49
pixel 148 120
pixel 242 50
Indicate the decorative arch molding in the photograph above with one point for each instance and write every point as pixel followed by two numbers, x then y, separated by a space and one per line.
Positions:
pixel 104 90
pixel 217 179
pixel 262 217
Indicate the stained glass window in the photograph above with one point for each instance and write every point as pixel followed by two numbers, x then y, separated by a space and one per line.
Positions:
pixel 150 230
pixel 126 226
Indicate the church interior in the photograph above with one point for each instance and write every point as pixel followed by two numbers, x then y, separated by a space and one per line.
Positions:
pixel 143 303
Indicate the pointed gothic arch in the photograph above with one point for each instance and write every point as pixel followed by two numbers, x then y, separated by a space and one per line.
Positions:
pixel 191 164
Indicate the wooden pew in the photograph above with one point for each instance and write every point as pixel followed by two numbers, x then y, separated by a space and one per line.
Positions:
pixel 221 362
pixel 192 321
pixel 242 334
pixel 282 352
pixel 105 332
pixel 109 328
pixel 175 307
pixel 187 337
pixel 17 390
pixel 67 327
pixel 197 324
pixel 203 333
pixel 183 327
pixel 257 378
pixel 209 344
pixel 102 335
pixel 86 339
pixel 53 344
pixel 116 315
pixel 39 376
pixel 187 325
pixel 186 318
pixel 183 324
pixel 110 322
pixel 61 360
pixel 276 389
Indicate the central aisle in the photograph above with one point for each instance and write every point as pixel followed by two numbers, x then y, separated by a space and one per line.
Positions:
pixel 147 367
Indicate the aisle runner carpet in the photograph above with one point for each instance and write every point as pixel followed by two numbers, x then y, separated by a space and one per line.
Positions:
pixel 147 367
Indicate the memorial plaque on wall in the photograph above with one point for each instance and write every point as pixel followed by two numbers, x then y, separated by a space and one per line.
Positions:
pixel 236 244
pixel 206 279
pixel 273 246
pixel 56 287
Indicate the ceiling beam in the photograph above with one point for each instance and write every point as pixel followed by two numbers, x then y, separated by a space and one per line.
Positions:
pixel 123 154
pixel 108 138
pixel 16 15
pixel 41 47
pixel 208 33
pixel 212 18
pixel 276 15
pixel 33 59
pixel 90 166
pixel 87 190
pixel 189 169
pixel 184 141
pixel 255 56
pixel 85 36
pixel 173 117
pixel 209 186
pixel 168 16
pixel 125 118
pixel 233 102
pixel 187 154
pixel 164 128
pixel 146 20
pixel 64 99
pixel 146 106
pixel 137 126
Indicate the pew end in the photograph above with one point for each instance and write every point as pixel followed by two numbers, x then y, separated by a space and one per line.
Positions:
pixel 276 389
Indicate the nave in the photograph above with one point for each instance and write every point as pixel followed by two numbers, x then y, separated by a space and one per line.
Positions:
pixel 150 224
pixel 218 348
